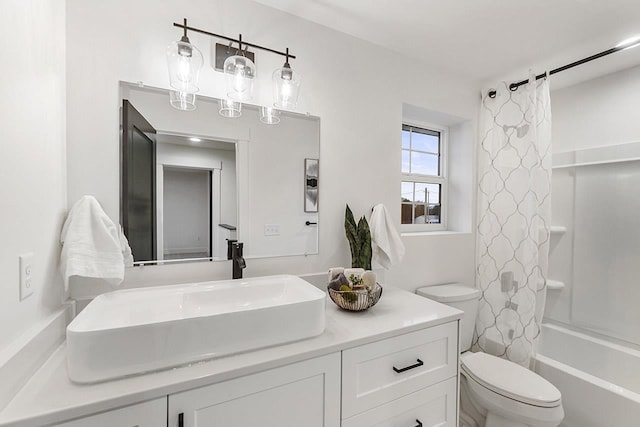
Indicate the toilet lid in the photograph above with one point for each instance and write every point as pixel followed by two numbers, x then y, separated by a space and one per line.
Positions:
pixel 510 379
pixel 451 292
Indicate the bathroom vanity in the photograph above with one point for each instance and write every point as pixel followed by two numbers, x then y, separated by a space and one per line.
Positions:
pixel 394 365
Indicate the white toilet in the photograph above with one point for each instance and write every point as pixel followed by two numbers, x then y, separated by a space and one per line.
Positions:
pixel 493 391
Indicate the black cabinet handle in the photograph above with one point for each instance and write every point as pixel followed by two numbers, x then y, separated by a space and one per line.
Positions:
pixel 420 363
pixel 181 419
pixel 310 223
pixel 419 423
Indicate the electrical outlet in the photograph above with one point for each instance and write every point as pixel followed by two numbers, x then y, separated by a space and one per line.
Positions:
pixel 26 275
pixel 271 229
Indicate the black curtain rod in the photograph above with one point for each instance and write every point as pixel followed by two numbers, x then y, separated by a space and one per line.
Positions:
pixel 515 86
pixel 239 41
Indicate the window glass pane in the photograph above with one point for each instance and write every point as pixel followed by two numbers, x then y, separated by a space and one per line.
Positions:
pixel 422 142
pixel 406 213
pixel 407 191
pixel 431 190
pixel 420 192
pixel 434 214
pixel 424 164
pixel 405 161
pixel 418 215
pixel 405 139
pixel 434 193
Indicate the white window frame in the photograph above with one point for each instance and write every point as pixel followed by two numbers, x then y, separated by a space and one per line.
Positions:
pixel 430 179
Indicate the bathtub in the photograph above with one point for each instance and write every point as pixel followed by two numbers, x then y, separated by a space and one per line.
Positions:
pixel 599 380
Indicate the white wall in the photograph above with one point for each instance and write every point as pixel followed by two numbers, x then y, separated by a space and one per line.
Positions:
pixel 598 257
pixel 347 82
pixel 33 169
pixel 276 188
pixel 185 210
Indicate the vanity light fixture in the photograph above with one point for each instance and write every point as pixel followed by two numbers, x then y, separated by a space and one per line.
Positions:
pixel 184 61
pixel 230 108
pixel 240 72
pixel 194 139
pixel 182 100
pixel 269 115
pixel 286 85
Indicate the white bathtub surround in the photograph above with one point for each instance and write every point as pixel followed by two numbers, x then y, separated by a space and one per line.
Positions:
pixel 592 374
pixel 514 211
pixel 50 397
pixel 93 245
pixel 134 331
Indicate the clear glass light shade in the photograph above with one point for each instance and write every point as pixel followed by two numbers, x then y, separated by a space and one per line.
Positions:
pixel 184 61
pixel 241 73
pixel 230 108
pixel 269 115
pixel 182 100
pixel 286 87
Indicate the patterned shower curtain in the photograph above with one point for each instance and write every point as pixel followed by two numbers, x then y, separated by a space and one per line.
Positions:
pixel 514 211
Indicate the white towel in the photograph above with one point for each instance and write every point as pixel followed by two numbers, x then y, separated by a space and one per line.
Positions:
pixel 386 244
pixel 92 245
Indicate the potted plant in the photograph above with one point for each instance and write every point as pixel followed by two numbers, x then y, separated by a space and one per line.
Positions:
pixel 359 237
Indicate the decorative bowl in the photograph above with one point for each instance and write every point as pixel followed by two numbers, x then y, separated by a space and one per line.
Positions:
pixel 356 299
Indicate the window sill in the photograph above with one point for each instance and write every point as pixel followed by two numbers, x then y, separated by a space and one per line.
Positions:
pixel 432 233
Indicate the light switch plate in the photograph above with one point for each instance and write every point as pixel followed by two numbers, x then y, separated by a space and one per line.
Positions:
pixel 271 229
pixel 26 275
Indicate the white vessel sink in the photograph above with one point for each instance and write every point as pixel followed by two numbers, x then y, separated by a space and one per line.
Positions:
pixel 140 330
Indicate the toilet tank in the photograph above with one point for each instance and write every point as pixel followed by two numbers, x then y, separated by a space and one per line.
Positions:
pixel 458 296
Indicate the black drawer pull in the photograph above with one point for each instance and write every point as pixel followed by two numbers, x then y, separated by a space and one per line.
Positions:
pixel 419 423
pixel 181 419
pixel 420 363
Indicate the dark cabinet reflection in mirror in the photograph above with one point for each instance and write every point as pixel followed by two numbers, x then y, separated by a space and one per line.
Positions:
pixel 138 174
pixel 191 181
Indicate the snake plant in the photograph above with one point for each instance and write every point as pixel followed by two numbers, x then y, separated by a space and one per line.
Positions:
pixel 359 237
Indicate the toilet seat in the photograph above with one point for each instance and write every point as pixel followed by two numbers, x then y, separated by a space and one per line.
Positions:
pixel 510 380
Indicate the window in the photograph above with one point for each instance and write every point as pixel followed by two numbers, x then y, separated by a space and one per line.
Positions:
pixel 423 187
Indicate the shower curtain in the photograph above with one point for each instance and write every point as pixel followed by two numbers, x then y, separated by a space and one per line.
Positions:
pixel 514 211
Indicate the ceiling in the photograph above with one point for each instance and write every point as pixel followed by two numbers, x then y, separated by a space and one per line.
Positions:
pixel 485 39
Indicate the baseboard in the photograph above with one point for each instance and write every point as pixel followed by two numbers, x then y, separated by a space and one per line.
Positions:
pixel 23 358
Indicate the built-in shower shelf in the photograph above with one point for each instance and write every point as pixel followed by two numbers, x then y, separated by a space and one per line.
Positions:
pixel 558 229
pixel 555 285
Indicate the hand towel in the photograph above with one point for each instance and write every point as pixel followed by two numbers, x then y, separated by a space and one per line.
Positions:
pixel 92 245
pixel 386 244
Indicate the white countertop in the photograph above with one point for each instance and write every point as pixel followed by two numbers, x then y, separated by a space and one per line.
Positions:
pixel 50 397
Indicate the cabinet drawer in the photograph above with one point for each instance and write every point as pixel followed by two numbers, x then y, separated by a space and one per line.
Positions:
pixel 432 406
pixel 385 370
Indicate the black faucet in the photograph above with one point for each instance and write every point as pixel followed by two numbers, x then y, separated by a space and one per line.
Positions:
pixel 237 260
pixel 230 243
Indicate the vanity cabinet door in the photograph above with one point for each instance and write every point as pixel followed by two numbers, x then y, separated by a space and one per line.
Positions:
pixel 433 406
pixel 147 414
pixel 301 394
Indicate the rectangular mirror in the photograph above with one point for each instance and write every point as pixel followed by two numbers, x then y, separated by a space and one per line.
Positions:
pixel 190 181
